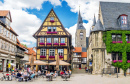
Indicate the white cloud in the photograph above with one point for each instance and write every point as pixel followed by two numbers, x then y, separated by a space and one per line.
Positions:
pixel 25 24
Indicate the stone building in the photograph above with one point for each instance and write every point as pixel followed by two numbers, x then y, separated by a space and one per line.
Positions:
pixel 113 16
pixel 80 51
pixel 7 41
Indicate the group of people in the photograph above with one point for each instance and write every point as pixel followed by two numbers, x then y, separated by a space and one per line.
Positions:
pixel 65 72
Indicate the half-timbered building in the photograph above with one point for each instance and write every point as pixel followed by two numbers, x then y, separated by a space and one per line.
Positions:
pixel 53 40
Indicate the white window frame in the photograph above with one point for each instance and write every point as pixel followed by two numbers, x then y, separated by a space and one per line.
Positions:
pixel 51 51
pixel 49 28
pixel 43 52
pixel 62 40
pixel 41 40
pixel 51 18
pixel 54 28
pixel 49 40
pixel 56 39
pixel 61 52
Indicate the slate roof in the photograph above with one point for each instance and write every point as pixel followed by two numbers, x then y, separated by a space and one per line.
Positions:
pixel 94 21
pixel 84 49
pixel 80 22
pixel 98 26
pixel 110 13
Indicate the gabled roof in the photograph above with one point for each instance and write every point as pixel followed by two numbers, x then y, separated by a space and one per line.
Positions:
pixel 98 26
pixel 110 13
pixel 31 51
pixel 45 20
pixel 5 13
pixel 80 22
pixel 20 45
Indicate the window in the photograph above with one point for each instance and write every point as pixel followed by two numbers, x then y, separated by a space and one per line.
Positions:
pixel 1 29
pixel 4 31
pixel 48 40
pixel 10 35
pixel 55 40
pixel 123 21
pixel 49 29
pixel 84 60
pixel 116 37
pixel 60 52
pixel 41 40
pixel 54 29
pixel 51 18
pixel 116 56
pixel 62 40
pixel 81 35
pixel 128 56
pixel 51 52
pixel 127 37
pixel 43 52
pixel 7 33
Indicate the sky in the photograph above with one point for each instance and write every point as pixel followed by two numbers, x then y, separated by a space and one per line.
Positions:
pixel 28 15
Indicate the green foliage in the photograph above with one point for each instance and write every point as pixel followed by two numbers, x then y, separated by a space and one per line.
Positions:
pixel 24 45
pixel 123 47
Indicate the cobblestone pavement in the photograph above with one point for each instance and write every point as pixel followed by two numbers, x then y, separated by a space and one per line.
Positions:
pixel 77 79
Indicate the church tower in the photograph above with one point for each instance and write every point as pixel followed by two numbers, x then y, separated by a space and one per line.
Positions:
pixel 80 35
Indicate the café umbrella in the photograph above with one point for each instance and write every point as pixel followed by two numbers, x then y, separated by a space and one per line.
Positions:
pixel 37 62
pixel 60 63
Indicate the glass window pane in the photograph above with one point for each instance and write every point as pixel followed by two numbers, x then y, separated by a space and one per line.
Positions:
pixel 62 40
pixel 119 38
pixel 54 29
pixel 49 29
pixel 55 40
pixel 113 56
pixel 41 40
pixel 113 37
pixel 60 52
pixel 126 37
pixel 48 40
pixel 51 18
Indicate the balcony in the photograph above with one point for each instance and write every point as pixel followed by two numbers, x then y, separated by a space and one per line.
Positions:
pixel 42 56
pixel 60 56
pixel 42 43
pixel 51 32
pixel 62 44
pixel 77 56
pixel 55 43
pixel 48 43
pixel 51 56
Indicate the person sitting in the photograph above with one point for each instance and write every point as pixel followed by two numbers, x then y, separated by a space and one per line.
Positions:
pixel 66 72
pixel 61 73
pixel 32 75
pixel 48 74
pixel 19 74
pixel 13 74
pixel 55 74
pixel 39 73
pixel 51 73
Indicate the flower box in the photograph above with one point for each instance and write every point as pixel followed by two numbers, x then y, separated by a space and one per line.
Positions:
pixel 114 61
pixel 51 32
pixel 62 44
pixel 55 43
pixel 51 56
pixel 48 43
pixel 128 41
pixel 42 43
pixel 60 56
pixel 52 21
pixel 116 41
pixel 119 60
pixel 42 56
pixel 128 61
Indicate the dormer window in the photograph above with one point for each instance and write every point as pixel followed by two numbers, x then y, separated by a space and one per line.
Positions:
pixel 123 21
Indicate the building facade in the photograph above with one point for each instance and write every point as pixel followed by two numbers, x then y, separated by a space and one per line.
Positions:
pixel 53 40
pixel 109 38
pixel 80 50
pixel 7 41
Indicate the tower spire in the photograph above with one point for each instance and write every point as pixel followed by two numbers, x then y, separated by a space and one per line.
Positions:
pixel 94 21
